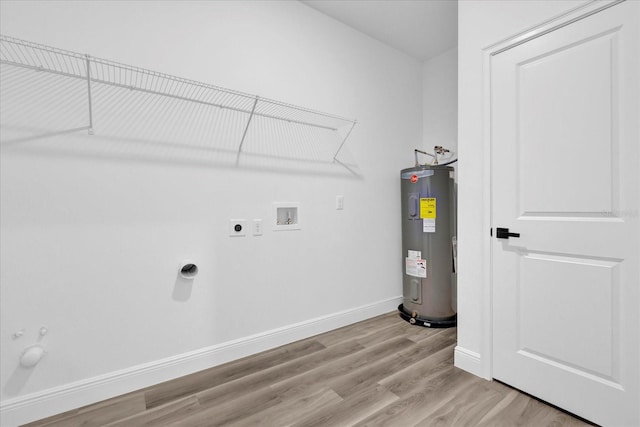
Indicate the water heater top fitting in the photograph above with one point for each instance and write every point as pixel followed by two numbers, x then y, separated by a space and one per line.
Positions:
pixel 437 150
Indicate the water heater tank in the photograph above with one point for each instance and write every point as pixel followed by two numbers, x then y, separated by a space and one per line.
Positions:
pixel 428 246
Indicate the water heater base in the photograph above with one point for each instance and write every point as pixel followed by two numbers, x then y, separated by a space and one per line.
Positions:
pixel 414 319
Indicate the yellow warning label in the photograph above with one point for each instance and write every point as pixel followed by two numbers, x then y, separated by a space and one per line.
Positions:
pixel 428 208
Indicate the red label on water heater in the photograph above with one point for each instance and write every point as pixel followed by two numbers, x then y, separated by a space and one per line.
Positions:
pixel 414 178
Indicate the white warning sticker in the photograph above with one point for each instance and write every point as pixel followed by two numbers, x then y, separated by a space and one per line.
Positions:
pixel 416 267
pixel 414 254
pixel 429 225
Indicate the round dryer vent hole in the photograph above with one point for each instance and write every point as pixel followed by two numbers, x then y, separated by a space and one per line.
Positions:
pixel 188 270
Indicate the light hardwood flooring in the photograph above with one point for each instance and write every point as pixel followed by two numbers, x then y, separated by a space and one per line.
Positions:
pixel 381 372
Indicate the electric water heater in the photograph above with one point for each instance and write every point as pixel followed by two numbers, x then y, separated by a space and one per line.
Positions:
pixel 429 246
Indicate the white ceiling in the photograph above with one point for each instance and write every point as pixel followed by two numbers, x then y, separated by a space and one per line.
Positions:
pixel 421 28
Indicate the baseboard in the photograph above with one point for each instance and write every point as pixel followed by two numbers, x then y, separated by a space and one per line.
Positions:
pixel 468 360
pixel 56 400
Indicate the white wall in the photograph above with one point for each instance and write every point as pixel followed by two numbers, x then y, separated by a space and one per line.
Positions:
pixel 440 101
pixel 90 244
pixel 481 24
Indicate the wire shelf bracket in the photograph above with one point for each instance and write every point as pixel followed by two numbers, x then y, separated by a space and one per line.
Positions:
pixel 246 128
pixel 97 71
pixel 89 95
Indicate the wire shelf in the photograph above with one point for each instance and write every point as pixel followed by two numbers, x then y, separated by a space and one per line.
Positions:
pixel 93 75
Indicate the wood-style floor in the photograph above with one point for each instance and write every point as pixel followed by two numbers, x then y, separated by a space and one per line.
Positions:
pixel 381 372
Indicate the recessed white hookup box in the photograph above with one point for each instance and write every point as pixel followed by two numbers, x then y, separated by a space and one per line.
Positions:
pixel 287 216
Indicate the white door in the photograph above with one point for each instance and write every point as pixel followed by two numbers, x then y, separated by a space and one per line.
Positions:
pixel 565 176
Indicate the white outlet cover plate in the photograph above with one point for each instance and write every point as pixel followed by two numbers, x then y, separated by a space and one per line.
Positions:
pixel 257 227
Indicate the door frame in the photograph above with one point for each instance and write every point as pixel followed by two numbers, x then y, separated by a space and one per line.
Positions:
pixel 485 362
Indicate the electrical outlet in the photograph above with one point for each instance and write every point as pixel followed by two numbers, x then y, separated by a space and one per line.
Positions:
pixel 257 227
pixel 237 227
pixel 339 203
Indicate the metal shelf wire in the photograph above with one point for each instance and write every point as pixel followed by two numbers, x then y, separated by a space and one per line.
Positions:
pixel 95 73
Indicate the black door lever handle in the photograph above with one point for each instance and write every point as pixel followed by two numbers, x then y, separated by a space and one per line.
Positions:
pixel 503 233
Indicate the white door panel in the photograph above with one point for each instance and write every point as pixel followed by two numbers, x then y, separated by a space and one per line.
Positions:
pixel 547 328
pixel 565 174
pixel 575 107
